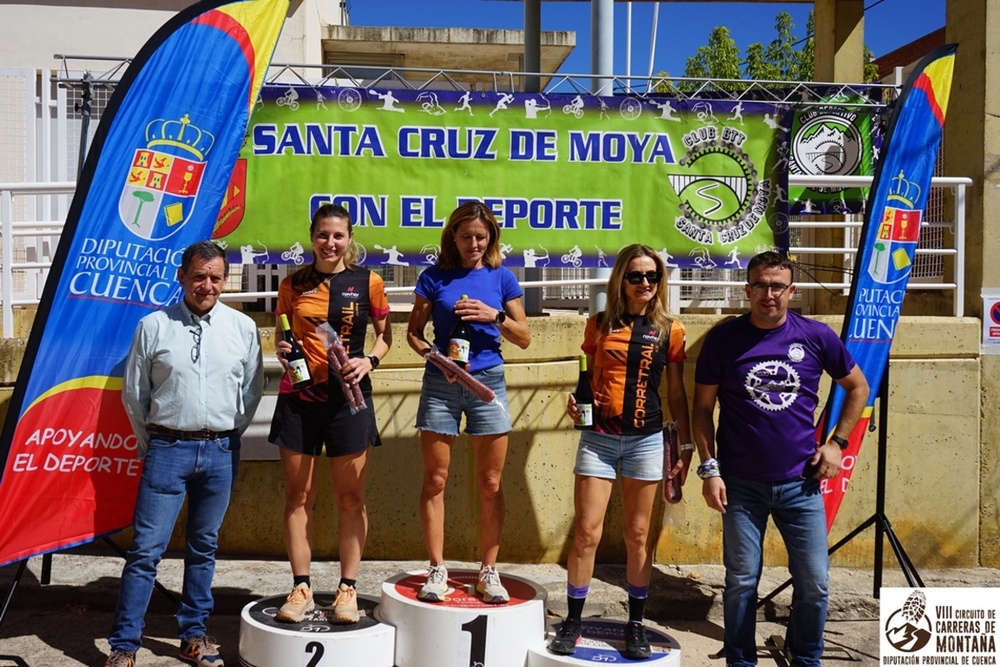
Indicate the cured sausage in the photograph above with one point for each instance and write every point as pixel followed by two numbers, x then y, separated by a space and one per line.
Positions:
pixel 671 455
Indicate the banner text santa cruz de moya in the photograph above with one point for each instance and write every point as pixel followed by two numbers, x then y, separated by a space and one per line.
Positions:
pixel 571 179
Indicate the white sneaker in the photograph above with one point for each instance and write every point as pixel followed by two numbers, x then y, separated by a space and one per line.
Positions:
pixel 436 586
pixel 490 587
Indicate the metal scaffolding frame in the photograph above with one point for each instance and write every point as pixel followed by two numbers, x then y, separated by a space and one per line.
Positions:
pixel 875 97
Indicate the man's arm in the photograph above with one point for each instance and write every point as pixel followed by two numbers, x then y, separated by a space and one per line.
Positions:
pixel 136 388
pixel 856 391
pixel 703 421
pixel 253 379
pixel 828 457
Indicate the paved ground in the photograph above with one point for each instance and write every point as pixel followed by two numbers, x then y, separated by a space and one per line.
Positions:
pixel 66 623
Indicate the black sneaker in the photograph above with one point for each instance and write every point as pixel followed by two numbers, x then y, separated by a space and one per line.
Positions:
pixel 564 643
pixel 636 644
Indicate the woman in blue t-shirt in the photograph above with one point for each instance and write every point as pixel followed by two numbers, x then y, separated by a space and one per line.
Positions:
pixel 470 264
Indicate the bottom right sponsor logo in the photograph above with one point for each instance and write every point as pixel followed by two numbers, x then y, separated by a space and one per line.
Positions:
pixel 938 626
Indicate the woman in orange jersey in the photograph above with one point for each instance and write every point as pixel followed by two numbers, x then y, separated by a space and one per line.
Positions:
pixel 629 347
pixel 307 421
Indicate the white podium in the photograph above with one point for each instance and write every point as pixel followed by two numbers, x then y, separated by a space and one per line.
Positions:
pixel 462 630
pixel 314 642
pixel 603 642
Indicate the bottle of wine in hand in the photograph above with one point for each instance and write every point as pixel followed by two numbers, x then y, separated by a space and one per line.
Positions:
pixel 460 340
pixel 298 367
pixel 584 398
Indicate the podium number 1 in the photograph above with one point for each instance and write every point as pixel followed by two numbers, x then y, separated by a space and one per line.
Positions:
pixel 316 648
pixel 477 642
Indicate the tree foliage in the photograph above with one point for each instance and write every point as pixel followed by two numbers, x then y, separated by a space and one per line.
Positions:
pixel 784 58
pixel 719 59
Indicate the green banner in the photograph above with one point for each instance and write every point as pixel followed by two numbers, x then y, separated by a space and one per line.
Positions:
pixel 571 179
pixel 837 138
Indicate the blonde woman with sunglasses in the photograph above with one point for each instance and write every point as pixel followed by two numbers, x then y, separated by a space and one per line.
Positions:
pixel 630 347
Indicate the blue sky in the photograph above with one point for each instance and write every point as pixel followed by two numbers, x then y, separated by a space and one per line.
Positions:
pixel 683 26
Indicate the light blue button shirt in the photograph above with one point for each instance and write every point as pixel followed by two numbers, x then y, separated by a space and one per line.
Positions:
pixel 191 373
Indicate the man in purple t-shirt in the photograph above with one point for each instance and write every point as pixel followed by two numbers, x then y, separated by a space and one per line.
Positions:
pixel 764 369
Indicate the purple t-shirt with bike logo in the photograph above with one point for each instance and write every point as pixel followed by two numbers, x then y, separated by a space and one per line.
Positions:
pixel 767 391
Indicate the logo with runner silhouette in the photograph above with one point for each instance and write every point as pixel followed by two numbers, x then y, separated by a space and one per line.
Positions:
pixel 162 183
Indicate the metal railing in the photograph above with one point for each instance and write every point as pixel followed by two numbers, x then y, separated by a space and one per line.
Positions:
pixel 683 283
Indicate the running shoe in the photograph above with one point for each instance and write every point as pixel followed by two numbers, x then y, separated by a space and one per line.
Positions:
pixel 201 652
pixel 490 587
pixel 564 643
pixel 436 586
pixel 345 606
pixel 636 644
pixel 298 603
pixel 121 659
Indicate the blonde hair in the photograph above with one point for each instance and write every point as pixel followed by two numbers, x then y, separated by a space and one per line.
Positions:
pixel 616 308
pixel 472 210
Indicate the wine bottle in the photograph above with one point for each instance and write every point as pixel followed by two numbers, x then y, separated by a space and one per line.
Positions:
pixel 459 341
pixel 584 398
pixel 298 367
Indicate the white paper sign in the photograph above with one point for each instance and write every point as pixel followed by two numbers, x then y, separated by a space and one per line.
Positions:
pixel 938 626
pixel 991 322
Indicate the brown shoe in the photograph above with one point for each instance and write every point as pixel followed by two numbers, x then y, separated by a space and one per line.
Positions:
pixel 120 659
pixel 298 603
pixel 345 607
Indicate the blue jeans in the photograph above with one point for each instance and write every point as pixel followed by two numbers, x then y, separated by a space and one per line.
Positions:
pixel 638 456
pixel 204 470
pixel 442 404
pixel 796 506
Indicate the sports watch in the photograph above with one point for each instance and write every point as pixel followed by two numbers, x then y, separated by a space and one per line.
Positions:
pixel 841 442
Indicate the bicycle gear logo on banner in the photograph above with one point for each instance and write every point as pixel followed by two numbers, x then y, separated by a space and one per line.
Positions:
pixel 162 184
pixel 723 198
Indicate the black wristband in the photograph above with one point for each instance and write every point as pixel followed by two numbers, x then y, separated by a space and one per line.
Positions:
pixel 374 361
pixel 841 442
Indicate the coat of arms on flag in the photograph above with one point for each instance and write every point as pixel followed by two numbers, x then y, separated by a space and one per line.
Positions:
pixel 898 234
pixel 161 186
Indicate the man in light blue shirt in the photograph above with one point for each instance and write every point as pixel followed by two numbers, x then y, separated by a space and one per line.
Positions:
pixel 192 381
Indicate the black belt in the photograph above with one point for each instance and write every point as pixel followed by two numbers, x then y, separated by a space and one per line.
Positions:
pixel 155 430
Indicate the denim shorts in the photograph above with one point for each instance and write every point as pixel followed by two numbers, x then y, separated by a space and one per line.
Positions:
pixel 639 456
pixel 442 404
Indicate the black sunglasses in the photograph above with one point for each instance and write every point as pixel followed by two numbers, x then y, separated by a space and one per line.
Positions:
pixel 635 277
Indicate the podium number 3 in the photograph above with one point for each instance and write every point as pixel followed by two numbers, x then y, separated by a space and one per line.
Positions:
pixel 316 649
pixel 477 650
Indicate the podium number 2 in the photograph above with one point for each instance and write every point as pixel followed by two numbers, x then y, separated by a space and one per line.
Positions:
pixel 316 648
pixel 477 645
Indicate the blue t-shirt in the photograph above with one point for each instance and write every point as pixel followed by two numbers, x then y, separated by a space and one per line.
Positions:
pixel 494 287
pixel 768 381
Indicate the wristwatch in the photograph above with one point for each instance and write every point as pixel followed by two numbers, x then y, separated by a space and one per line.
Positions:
pixel 841 442
pixel 501 316
pixel 375 361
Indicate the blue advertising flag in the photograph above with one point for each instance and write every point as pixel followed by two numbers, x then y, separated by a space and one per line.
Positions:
pixel 153 184
pixel 888 243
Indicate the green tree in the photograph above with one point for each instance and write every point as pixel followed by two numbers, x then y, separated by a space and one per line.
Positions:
pixel 719 59
pixel 780 60
pixel 806 56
